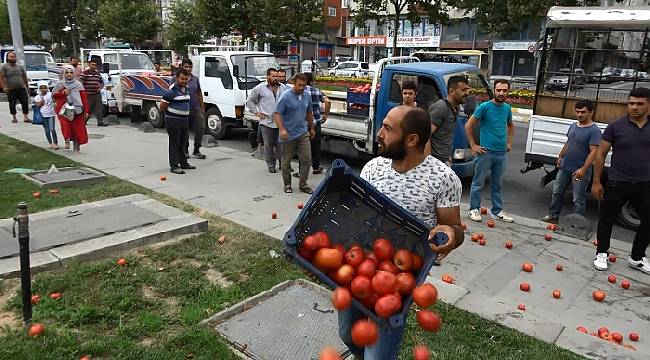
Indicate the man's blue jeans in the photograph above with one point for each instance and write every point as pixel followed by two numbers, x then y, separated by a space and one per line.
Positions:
pixel 388 342
pixel 494 163
pixel 562 181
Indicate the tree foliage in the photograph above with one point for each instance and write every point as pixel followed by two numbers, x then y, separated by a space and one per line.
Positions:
pixel 185 27
pixel 128 20
pixel 412 10
pixel 500 17
pixel 256 19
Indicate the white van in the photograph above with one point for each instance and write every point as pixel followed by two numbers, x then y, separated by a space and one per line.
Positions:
pixel 37 66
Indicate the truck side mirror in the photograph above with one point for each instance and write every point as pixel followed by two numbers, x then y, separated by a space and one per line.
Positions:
pixel 105 68
pixel 235 71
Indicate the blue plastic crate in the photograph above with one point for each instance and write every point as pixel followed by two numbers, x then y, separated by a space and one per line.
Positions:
pixel 359 112
pixel 352 211
pixel 358 98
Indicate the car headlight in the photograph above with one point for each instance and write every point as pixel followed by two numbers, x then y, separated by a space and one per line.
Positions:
pixel 463 154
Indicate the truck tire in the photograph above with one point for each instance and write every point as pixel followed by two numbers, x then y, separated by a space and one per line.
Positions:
pixel 154 115
pixel 215 125
pixel 629 217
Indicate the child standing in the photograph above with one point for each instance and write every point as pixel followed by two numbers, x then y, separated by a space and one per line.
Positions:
pixel 44 102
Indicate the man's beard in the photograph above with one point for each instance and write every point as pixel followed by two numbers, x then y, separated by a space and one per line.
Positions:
pixel 396 151
pixel 13 61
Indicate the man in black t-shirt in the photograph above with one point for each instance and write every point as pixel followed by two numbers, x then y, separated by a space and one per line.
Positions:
pixel 443 114
pixel 628 179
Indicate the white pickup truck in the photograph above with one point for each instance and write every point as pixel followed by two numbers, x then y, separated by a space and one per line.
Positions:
pixel 580 31
pixel 226 77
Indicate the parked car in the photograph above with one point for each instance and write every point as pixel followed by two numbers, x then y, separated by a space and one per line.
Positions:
pixel 626 75
pixel 350 68
pixel 642 76
pixel 606 76
pixel 561 81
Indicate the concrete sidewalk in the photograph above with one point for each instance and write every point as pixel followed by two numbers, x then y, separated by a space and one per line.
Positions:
pixel 235 186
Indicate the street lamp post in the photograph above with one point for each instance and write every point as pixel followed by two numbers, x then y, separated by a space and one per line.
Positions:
pixel 16 30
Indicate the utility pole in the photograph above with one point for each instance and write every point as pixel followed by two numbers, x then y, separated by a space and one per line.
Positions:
pixel 16 30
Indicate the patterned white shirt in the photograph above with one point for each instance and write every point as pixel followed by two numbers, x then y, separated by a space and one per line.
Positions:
pixel 421 190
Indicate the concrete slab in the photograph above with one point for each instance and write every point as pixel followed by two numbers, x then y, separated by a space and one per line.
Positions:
pixel 504 311
pixel 39 261
pixel 448 293
pixel 258 326
pixel 87 224
pixel 66 177
pixel 94 230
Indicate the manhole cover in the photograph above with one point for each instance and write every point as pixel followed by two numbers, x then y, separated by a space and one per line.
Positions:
pixel 294 320
pixel 96 136
pixel 66 177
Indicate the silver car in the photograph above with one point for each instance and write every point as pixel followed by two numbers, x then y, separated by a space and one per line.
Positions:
pixel 561 81
pixel 350 68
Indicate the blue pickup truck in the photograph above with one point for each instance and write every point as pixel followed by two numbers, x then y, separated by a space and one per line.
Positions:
pixel 353 132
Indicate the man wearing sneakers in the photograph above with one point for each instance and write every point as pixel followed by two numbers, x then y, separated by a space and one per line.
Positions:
pixel 575 161
pixel 628 178
pixel 497 132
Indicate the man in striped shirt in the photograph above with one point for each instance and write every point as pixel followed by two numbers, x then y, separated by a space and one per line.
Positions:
pixel 93 83
pixel 175 104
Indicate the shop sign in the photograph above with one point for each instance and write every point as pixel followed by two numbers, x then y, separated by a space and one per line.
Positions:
pixel 366 40
pixel 415 41
pixel 513 45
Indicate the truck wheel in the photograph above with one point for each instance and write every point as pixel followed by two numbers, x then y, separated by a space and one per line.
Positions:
pixel 629 217
pixel 153 115
pixel 215 125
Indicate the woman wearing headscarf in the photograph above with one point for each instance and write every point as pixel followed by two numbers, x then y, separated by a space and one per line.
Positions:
pixel 70 92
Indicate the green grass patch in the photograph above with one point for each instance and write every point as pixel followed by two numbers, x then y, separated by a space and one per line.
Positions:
pixel 151 308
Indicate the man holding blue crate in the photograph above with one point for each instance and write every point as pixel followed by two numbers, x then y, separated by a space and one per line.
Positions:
pixel 421 184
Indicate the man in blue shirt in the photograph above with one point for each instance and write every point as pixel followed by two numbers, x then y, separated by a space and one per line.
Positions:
pixel 575 161
pixel 628 178
pixel 497 132
pixel 197 111
pixel 175 104
pixel 294 117
pixel 317 98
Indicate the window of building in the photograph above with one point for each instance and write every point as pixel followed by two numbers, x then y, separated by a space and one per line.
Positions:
pixel 345 4
pixel 331 11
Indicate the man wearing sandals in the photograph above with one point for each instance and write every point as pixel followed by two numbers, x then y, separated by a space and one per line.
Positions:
pixel 295 119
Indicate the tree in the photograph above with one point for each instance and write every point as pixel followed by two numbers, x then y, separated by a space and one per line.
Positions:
pixel 296 19
pixel 87 21
pixel 128 20
pixel 413 10
pixel 500 17
pixel 216 16
pixel 185 26
pixel 30 20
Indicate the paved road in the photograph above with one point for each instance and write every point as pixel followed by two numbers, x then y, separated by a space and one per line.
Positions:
pixel 522 194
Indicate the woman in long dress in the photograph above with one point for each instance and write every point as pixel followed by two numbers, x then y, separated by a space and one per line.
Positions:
pixel 71 91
